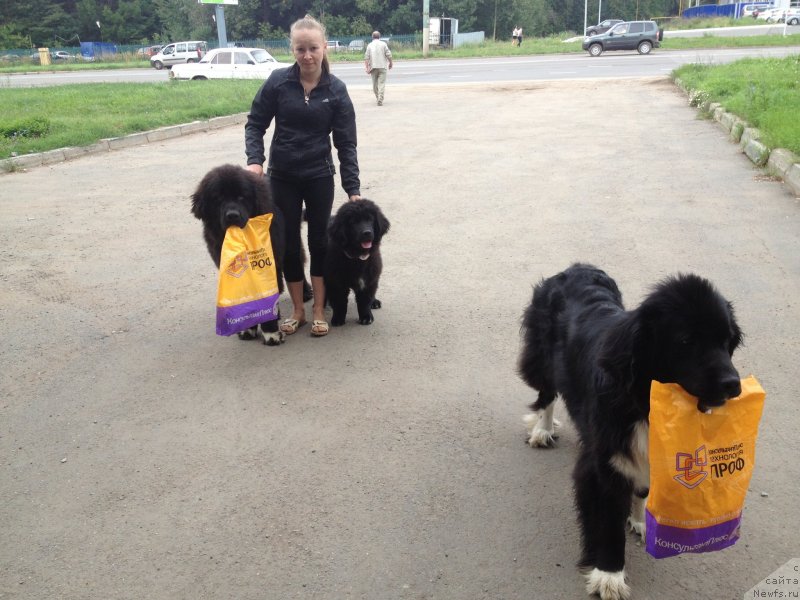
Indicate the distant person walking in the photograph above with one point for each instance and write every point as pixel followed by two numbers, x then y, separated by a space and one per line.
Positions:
pixel 519 36
pixel 377 61
pixel 515 36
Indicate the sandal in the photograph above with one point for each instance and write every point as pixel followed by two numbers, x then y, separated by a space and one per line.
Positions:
pixel 290 326
pixel 319 328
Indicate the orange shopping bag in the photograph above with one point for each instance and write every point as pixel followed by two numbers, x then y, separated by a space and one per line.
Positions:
pixel 700 467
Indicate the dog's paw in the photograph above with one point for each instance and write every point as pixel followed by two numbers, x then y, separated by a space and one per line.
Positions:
pixel 248 334
pixel 337 321
pixel 637 527
pixel 375 304
pixel 273 338
pixel 609 586
pixel 538 436
pixel 541 438
pixel 366 319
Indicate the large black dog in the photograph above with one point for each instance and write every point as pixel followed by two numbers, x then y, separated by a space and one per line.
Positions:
pixel 230 195
pixel 581 343
pixel 353 261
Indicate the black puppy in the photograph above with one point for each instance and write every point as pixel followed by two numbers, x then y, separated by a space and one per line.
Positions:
pixel 581 343
pixel 353 261
pixel 230 195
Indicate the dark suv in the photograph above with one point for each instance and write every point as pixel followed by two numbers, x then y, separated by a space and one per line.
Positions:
pixel 602 27
pixel 632 35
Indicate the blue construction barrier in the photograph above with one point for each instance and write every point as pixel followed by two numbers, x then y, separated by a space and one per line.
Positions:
pixel 732 11
pixel 92 50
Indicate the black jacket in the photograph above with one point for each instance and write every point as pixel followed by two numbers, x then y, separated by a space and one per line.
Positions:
pixel 301 142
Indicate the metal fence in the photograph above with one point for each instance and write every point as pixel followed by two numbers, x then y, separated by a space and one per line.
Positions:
pixel 464 39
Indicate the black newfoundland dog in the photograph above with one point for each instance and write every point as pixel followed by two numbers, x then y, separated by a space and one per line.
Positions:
pixel 230 195
pixel 353 261
pixel 581 343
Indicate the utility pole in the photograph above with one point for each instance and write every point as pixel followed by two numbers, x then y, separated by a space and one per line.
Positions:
pixel 426 27
pixel 494 28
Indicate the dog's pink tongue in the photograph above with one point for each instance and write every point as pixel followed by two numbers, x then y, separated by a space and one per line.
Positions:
pixel 366 245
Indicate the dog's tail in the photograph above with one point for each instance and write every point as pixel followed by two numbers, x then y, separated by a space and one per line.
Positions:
pixel 539 337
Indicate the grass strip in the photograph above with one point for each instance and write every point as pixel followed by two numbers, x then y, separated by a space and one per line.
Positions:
pixel 765 92
pixel 82 114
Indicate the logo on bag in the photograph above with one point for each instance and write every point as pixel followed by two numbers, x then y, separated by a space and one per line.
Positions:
pixel 238 265
pixel 690 467
pixel 259 259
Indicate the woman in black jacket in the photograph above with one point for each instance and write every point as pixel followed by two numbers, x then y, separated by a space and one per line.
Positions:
pixel 308 104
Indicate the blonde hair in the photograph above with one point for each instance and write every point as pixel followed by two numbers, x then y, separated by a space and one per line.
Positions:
pixel 309 22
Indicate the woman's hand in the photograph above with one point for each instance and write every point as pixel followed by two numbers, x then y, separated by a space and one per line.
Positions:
pixel 257 169
pixel 355 197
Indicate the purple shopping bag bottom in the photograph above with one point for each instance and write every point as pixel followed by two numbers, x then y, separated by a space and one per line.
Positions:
pixel 233 319
pixel 663 541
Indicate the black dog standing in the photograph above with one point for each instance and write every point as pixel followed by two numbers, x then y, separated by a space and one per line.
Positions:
pixel 581 343
pixel 353 261
pixel 229 196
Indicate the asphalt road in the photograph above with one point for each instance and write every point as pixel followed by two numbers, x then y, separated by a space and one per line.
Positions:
pixel 610 65
pixel 142 456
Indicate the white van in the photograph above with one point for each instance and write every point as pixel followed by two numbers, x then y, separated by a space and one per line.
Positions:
pixel 753 10
pixel 179 52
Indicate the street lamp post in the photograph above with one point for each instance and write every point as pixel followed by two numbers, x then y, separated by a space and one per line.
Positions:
pixel 585 14
pixel 101 31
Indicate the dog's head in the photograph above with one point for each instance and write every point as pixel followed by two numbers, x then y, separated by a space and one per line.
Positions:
pixel 230 195
pixel 693 334
pixel 358 227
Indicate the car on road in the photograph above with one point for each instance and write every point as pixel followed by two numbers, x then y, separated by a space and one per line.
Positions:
pixel 642 36
pixel 602 27
pixel 228 63
pixel 753 10
pixel 178 53
pixel 356 46
pixel 55 55
pixel 768 14
pixel 790 15
pixel 148 51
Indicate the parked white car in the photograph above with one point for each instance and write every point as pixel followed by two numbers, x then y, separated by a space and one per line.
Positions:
pixel 229 63
pixel 178 53
pixel 769 15
pixel 791 16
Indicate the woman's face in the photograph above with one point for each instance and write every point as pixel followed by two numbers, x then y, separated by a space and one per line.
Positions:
pixel 309 47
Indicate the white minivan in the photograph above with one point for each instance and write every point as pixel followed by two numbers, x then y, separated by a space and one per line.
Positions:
pixel 179 52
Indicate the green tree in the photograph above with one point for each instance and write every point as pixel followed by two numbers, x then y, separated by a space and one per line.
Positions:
pixel 11 38
pixel 404 19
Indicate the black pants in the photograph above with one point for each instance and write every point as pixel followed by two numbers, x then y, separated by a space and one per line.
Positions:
pixel 289 196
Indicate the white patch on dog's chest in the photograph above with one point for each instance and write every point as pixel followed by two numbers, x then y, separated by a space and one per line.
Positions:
pixel 636 466
pixel 360 283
